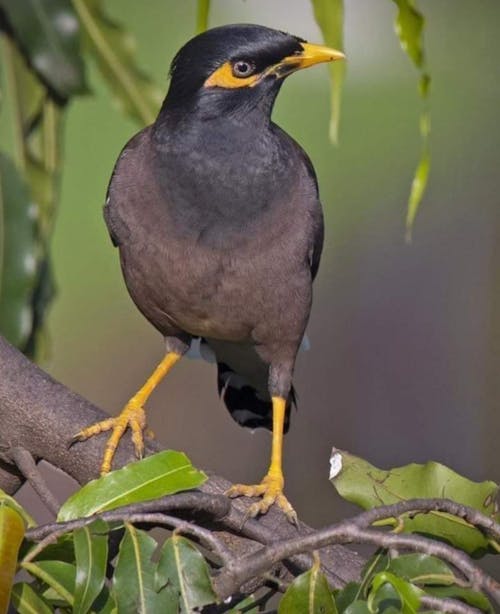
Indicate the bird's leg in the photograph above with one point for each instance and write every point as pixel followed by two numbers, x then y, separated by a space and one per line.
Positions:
pixel 132 416
pixel 271 486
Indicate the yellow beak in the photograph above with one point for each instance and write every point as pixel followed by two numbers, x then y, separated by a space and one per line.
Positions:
pixel 309 56
pixel 314 54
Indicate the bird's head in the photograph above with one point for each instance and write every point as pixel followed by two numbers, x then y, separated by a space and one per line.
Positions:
pixel 235 68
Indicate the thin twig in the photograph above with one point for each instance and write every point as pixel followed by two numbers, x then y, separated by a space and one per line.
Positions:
pixel 26 464
pixel 240 571
pixel 216 506
pixel 156 518
pixel 472 516
pixel 450 606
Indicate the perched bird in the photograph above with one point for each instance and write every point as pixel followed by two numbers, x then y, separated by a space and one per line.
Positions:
pixel 216 215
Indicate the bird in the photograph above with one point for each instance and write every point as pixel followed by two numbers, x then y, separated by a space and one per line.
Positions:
pixel 216 215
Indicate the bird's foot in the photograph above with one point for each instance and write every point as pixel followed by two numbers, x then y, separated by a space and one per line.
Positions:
pixel 271 491
pixel 132 416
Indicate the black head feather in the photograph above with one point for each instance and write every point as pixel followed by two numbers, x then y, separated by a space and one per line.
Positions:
pixel 203 54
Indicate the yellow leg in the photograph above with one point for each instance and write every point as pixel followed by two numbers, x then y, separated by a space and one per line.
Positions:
pixel 271 487
pixel 132 416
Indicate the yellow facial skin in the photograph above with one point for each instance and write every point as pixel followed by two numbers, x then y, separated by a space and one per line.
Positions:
pixel 309 56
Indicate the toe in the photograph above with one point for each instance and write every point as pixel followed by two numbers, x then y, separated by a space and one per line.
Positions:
pixel 245 490
pixel 283 503
pixel 94 429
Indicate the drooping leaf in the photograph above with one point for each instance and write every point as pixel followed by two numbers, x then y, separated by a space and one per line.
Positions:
pixel 183 567
pixel 422 569
pixel 202 15
pixel 409 26
pixel 58 575
pixel 26 601
pixel 417 190
pixel 134 588
pixel 161 474
pixel 329 15
pixel 18 255
pixel 408 594
pixel 36 135
pixel 48 31
pixel 367 486
pixel 467 595
pixel 112 48
pixel 91 553
pixel 12 529
pixel 309 593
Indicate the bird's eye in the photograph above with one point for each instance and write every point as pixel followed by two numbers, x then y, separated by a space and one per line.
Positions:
pixel 243 68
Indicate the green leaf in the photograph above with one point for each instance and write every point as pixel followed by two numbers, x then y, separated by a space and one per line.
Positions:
pixel 134 578
pixel 49 33
pixel 244 606
pixel 378 562
pixel 58 575
pixel 112 48
pixel 367 486
pixel 18 255
pixel 183 567
pixel 155 476
pixel 408 594
pixel 409 25
pixel 6 499
pixel 347 596
pixel 26 601
pixel 417 190
pixel 422 569
pixel 36 124
pixel 202 15
pixel 91 554
pixel 309 593
pixel 62 550
pixel 357 607
pixel 473 598
pixel 329 15
pixel 385 600
pixel 12 529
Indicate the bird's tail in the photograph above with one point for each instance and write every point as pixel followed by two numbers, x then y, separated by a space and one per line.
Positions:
pixel 247 405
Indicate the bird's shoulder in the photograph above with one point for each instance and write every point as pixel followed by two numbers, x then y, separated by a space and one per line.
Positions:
pixel 315 226
pixel 132 163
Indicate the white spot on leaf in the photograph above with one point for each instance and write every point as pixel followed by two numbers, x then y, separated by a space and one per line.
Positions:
pixel 335 463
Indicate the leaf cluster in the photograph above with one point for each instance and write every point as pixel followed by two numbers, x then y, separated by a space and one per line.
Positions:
pixel 99 559
pixel 45 48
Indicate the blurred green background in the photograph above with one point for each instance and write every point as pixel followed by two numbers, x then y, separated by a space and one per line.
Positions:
pixel 405 338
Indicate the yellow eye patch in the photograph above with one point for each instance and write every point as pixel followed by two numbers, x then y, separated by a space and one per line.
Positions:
pixel 223 77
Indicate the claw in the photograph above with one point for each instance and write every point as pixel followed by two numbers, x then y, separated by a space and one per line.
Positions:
pixel 133 416
pixel 271 491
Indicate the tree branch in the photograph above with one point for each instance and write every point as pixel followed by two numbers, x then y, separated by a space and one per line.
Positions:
pixel 41 415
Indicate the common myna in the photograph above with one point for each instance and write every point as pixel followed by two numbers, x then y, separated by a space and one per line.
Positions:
pixel 216 215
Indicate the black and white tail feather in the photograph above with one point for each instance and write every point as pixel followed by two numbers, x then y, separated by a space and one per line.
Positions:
pixel 248 406
pixel 242 380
